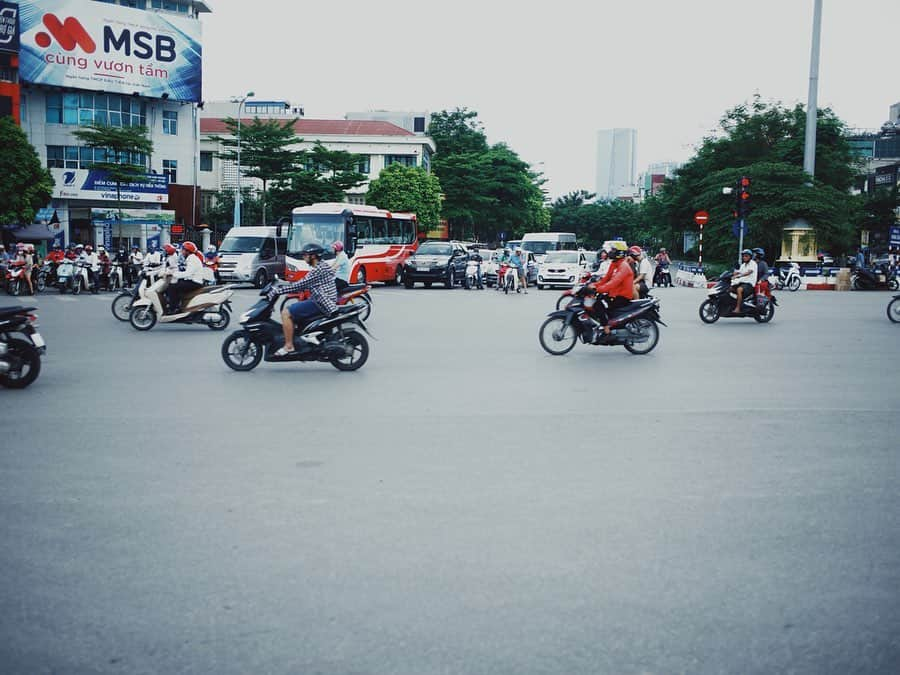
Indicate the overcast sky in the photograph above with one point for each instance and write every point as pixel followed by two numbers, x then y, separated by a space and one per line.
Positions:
pixel 544 79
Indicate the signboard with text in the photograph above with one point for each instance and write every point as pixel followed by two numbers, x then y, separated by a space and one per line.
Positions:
pixel 95 184
pixel 105 47
pixel 9 26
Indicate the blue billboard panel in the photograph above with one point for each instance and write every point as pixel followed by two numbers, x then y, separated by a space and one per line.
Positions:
pixel 105 47
pixel 96 184
pixel 9 26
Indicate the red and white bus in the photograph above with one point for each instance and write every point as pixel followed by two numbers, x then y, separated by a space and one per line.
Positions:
pixel 376 241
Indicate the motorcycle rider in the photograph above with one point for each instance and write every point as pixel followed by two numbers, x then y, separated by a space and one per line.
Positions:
pixel 762 271
pixel 519 262
pixel 323 297
pixel 644 274
pixel 56 255
pixel 189 280
pixel 105 266
pixel 93 260
pixel 154 257
pixel 475 257
pixel 341 266
pixel 135 262
pixel 211 260
pixel 744 279
pixel 617 284
pixel 25 253
pixel 603 263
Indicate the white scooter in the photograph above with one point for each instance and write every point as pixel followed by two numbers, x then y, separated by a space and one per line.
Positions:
pixel 473 274
pixel 789 278
pixel 208 305
pixel 116 277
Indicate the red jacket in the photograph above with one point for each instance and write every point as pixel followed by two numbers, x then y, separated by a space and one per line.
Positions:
pixel 619 280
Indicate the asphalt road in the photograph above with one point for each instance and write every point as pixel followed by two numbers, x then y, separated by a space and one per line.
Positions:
pixel 465 503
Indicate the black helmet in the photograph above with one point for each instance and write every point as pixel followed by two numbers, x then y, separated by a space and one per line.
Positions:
pixel 312 249
pixel 761 252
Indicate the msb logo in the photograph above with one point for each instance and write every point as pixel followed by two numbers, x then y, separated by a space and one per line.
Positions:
pixel 69 34
pixel 140 43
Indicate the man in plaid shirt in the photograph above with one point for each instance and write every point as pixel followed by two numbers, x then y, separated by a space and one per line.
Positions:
pixel 319 281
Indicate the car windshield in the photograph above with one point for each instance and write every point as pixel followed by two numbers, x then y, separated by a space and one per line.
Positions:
pixel 566 257
pixel 241 245
pixel 434 248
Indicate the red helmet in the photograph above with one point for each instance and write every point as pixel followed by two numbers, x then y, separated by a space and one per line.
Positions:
pixel 189 246
pixel 635 251
pixel 169 249
pixel 88 248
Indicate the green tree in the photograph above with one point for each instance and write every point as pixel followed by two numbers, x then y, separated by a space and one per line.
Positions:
pixel 265 151
pixel 457 132
pixel 125 148
pixel 405 188
pixel 25 186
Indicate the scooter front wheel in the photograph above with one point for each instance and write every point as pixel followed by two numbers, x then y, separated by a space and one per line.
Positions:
pixel 121 306
pixel 142 318
pixel 240 352
pixel 709 311
pixel 557 337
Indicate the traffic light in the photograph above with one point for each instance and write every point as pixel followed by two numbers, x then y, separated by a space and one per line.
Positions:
pixel 743 197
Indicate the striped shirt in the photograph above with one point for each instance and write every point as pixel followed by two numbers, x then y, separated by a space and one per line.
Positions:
pixel 320 283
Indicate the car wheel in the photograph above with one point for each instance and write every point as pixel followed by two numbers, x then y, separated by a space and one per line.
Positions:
pixel 540 287
pixel 451 279
pixel 261 278
pixel 408 283
pixel 427 284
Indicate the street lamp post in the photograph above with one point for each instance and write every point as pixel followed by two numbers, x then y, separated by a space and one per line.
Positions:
pixel 237 190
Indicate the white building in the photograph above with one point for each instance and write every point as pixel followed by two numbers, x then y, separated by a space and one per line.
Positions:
pixel 108 77
pixel 416 122
pixel 379 144
pixel 616 168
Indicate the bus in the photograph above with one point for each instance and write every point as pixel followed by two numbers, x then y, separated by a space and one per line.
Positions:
pixel 376 241
pixel 540 243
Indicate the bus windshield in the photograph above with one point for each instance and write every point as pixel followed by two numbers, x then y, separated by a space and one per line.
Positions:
pixel 312 228
pixel 241 245
pixel 540 247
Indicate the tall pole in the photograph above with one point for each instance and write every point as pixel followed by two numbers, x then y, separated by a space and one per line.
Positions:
pixel 809 150
pixel 237 190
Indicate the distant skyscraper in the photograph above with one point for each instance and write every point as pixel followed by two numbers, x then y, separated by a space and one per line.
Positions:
pixel 616 163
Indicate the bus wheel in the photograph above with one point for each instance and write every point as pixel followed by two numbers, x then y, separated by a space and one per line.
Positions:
pixel 361 275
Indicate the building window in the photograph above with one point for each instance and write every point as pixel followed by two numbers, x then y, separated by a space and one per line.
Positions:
pixel 426 159
pixel 170 122
pixel 170 170
pixel 206 161
pixel 75 157
pixel 419 125
pixel 365 164
pixel 356 199
pixel 405 160
pixel 109 109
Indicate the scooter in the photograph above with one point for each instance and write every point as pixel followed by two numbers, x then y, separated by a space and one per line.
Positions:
pixel 720 303
pixel 20 359
pixel 789 278
pixel 207 305
pixel 473 275
pixel 877 279
pixel 567 295
pixel 116 280
pixel 15 278
pixel 662 277
pixel 340 338
pixel 121 304
pixel 510 278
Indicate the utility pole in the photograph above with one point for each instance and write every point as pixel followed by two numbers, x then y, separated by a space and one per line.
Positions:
pixel 812 106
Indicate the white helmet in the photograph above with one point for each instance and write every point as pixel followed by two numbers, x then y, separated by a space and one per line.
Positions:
pixel 210 249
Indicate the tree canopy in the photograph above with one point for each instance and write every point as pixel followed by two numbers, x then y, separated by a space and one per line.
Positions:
pixel 25 185
pixel 407 188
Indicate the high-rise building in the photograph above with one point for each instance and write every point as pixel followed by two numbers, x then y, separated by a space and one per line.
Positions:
pixel 616 166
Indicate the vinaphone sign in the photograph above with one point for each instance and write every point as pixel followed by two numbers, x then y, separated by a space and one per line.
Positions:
pixel 104 47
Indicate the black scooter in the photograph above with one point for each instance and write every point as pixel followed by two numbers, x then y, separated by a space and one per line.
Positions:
pixel 720 304
pixel 20 359
pixel 340 342
pixel 662 276
pixel 878 279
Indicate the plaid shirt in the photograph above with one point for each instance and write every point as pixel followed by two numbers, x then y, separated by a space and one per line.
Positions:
pixel 319 281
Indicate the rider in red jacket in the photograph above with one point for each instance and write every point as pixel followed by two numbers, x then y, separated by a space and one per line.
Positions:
pixel 618 284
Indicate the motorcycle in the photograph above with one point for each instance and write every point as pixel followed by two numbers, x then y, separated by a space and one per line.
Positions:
pixel 116 279
pixel 341 342
pixel 633 326
pixel 473 275
pixel 121 304
pixel 15 278
pixel 893 309
pixel 43 276
pixel 566 296
pixel 877 279
pixel 207 305
pixel 662 276
pixel 789 278
pixel 720 303
pixel 20 359
pixel 509 278
pixel 352 294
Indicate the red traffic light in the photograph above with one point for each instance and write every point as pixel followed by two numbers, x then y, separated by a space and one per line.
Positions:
pixel 745 196
pixel 745 182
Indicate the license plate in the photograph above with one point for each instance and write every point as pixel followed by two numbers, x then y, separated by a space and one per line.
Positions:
pixel 38 340
pixel 424 269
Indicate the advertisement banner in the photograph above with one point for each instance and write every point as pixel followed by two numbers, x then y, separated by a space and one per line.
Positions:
pixel 95 184
pixel 9 26
pixel 155 217
pixel 105 47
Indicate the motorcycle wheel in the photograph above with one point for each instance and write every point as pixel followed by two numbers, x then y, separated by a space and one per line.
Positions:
pixel 222 323
pixel 893 284
pixel 121 306
pixel 794 285
pixel 76 287
pixel 556 337
pixel 41 284
pixel 358 354
pixel 709 311
pixel 767 317
pixel 240 352
pixel 893 310
pixel 142 318
pixel 25 364
pixel 15 288
pixel 857 286
pixel 643 327
pixel 366 305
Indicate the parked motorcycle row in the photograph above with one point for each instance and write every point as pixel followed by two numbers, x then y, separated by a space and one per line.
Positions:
pixel 66 276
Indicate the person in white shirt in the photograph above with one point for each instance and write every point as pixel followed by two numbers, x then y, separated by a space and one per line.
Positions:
pixel 643 276
pixel 743 281
pixel 341 266
pixel 135 261
pixel 189 280
pixel 153 257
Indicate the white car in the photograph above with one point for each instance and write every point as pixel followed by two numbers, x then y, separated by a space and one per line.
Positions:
pixel 562 268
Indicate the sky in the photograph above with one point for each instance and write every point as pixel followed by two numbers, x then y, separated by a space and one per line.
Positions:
pixel 545 78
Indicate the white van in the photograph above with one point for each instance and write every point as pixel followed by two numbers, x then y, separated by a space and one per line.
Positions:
pixel 254 254
pixel 540 243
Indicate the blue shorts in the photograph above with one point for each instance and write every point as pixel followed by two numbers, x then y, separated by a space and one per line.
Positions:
pixel 301 312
